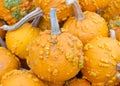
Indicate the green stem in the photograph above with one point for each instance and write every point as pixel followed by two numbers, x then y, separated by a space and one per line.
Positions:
pixel 77 9
pixel 55 30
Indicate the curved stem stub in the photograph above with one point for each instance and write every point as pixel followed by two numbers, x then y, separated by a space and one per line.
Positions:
pixel 55 30
pixel 77 9
pixel 118 67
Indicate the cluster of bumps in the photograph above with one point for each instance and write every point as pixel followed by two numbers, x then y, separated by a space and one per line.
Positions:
pixel 71 43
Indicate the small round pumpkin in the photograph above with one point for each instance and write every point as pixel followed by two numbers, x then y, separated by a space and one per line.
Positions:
pixel 93 5
pixel 20 78
pixel 17 40
pixel 101 60
pixel 63 11
pixel 112 10
pixel 55 56
pixel 85 26
pixel 12 11
pixel 8 61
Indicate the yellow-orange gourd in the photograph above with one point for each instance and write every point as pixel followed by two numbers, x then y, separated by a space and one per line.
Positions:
pixel 63 11
pixel 55 56
pixel 20 78
pixel 8 61
pixel 86 26
pixel 101 60
pixel 112 10
pixel 17 40
pixel 12 11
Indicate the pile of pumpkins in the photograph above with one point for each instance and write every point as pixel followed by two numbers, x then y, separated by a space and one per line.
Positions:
pixel 59 43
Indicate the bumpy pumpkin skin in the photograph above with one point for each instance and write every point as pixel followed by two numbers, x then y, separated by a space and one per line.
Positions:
pixel 44 24
pixel 8 61
pixel 12 12
pixel 87 29
pixel 101 57
pixel 93 5
pixel 79 82
pixel 20 78
pixel 112 10
pixel 54 83
pixel 18 40
pixel 59 57
pixel 114 23
pixel 63 11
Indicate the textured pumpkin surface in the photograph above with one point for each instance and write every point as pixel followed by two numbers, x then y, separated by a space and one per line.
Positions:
pixel 55 58
pixel 63 11
pixel 114 23
pixel 18 40
pixel 13 10
pixel 79 82
pixel 101 57
pixel 54 83
pixel 112 9
pixel 20 78
pixel 92 26
pixel 93 5
pixel 8 61
pixel 44 24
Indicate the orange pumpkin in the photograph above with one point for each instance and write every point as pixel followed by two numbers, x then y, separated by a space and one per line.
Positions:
pixel 101 61
pixel 12 11
pixel 20 78
pixel 63 11
pixel 17 40
pixel 59 55
pixel 112 10
pixel 8 61
pixel 85 26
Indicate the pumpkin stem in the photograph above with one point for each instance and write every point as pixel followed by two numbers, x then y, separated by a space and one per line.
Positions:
pixel 55 30
pixel 118 67
pixel 112 33
pixel 37 12
pixel 77 9
pixel 118 76
pixel 36 21
pixel 2 42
